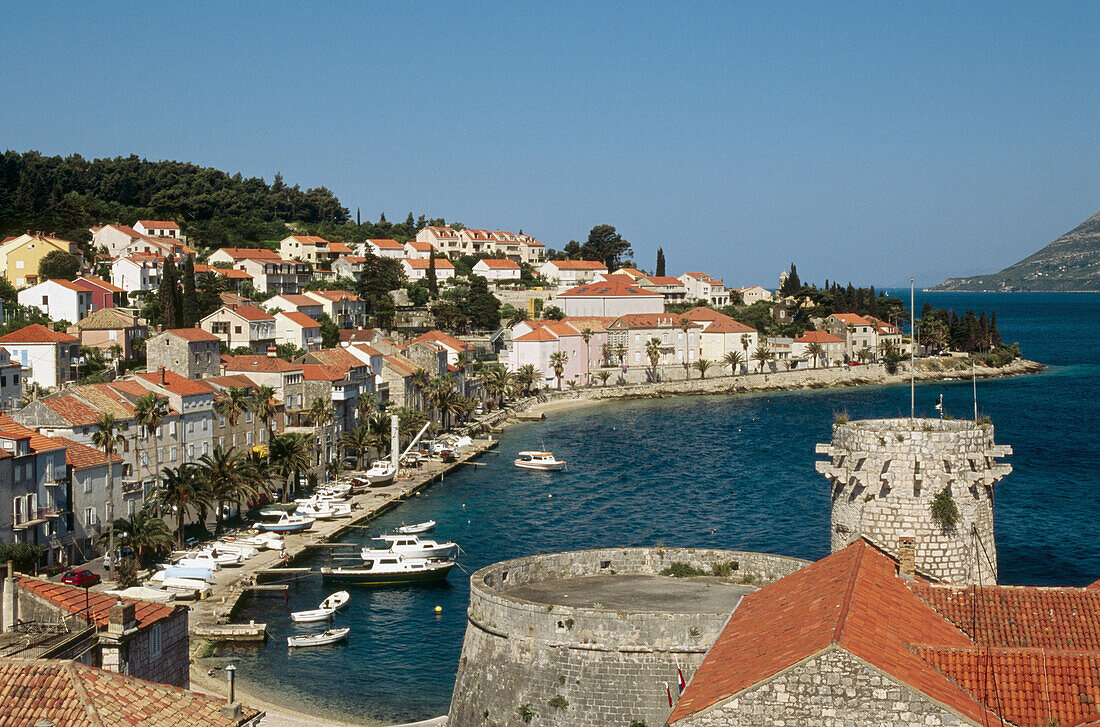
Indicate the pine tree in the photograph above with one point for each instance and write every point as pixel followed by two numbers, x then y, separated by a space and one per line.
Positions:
pixel 430 279
pixel 660 262
pixel 191 306
pixel 994 334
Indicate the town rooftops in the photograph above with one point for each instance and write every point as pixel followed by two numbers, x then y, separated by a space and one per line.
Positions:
pixel 577 265
pixel 158 224
pixel 386 244
pixel 652 320
pixel 421 246
pixel 37 333
pixel 444 340
pixel 717 322
pixel 105 319
pixel 440 232
pixel 542 333
pixel 613 289
pixel 400 365
pixel 299 318
pixel 72 694
pixel 93 282
pixel 11 429
pixel 337 358
pixel 352 335
pixel 268 364
pixel 703 277
pixel 297 299
pixel 730 326
pixel 818 337
pixel 232 273
pixel 72 410
pixel 81 456
pixel 251 253
pixel 174 383
pixel 192 334
pixel 496 264
pixel 98 606
pixel 322 372
pixel 421 263
pixel 663 280
pixel 334 295
pixel 309 239
pixel 851 319
pixel 250 313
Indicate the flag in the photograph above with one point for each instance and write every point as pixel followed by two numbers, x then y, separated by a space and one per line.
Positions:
pixel 669 693
pixel 682 682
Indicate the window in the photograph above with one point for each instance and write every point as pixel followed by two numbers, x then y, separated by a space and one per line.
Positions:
pixel 221 327
pixel 205 424
pixel 221 422
pixel 154 641
pixel 248 417
pixel 172 454
pixel 191 427
pixel 144 459
pixel 131 507
pixel 237 329
pixel 45 300
pixel 206 448
pixel 248 439
pixel 172 429
pixel 19 264
pixel 89 516
pixel 88 485
pixel 190 452
pixel 160 456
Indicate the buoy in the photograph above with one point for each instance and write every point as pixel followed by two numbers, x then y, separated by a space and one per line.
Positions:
pixel 463 504
pixel 439 609
pixel 550 495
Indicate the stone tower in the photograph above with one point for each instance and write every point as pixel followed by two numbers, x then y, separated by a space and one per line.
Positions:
pixel 885 474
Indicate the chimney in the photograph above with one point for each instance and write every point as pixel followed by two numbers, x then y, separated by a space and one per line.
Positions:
pixel 160 371
pixel 907 558
pixel 120 619
pixel 160 328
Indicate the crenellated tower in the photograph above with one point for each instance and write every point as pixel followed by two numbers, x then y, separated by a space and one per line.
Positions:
pixel 885 476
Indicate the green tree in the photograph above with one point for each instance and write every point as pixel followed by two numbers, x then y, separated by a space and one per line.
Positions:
pixel 816 351
pixel 483 308
pixel 191 304
pixel 107 437
pixel 144 534
pixel 429 278
pixel 289 455
pixel 660 262
pixel 232 404
pixel 330 332
pixel 558 360
pixel 359 441
pixel 149 413
pixel 702 366
pixel 603 375
pixel 59 265
pixel 733 359
pixel 170 314
pixel 183 490
pixel 606 245
pixel 762 355
pixel 553 313
pixel 653 352
pixel 263 404
pixel 227 479
pixel 24 556
pixel 792 285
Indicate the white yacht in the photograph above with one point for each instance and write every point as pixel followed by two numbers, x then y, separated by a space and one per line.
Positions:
pixel 410 546
pixel 380 473
pixel 545 461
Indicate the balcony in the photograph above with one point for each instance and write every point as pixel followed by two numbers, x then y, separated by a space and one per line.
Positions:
pixel 132 487
pixel 42 515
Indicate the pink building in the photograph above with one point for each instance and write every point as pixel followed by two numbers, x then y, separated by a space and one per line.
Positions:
pixel 533 342
pixel 104 294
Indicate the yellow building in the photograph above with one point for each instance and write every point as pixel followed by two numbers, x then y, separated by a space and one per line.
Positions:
pixel 19 256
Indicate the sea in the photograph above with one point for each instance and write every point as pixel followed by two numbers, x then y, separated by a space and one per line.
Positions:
pixel 719 471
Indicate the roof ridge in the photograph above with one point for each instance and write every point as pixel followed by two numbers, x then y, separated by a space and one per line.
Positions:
pixel 846 602
pixel 82 693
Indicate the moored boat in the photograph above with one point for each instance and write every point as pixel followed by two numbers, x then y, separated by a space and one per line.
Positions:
pixel 425 527
pixel 325 611
pixel 410 546
pixel 196 573
pixel 328 637
pixel 380 473
pixel 390 570
pixel 545 461
pixel 287 524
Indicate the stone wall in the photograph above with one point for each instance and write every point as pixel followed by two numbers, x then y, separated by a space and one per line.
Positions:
pixel 884 474
pixel 832 689
pixel 585 666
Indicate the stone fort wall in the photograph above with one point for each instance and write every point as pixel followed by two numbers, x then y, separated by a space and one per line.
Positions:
pixel 585 666
pixel 884 474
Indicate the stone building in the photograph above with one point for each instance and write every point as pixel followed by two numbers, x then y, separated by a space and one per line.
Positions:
pixel 885 475
pixel 191 352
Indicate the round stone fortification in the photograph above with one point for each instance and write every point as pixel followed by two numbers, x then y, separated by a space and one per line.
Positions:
pixel 885 474
pixel 592 638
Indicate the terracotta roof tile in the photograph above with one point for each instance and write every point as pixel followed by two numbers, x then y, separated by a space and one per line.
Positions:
pixel 192 334
pixel 299 300
pixel 422 263
pixel 253 253
pixel 321 372
pixel 443 339
pixel 499 264
pixel 578 265
pixel 72 410
pixel 37 333
pixel 652 320
pixel 818 337
pixel 337 358
pixel 251 313
pixel 386 244
pixel 400 364
pixel 852 319
pixel 158 224
pixel 269 364
pixel 353 335
pixel 300 318
pixel 609 289
pixel 106 319
pixel 176 384
pixel 339 247
pixel 72 599
pixel 39 442
pixel 81 456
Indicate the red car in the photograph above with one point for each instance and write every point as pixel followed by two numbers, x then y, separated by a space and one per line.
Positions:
pixel 82 578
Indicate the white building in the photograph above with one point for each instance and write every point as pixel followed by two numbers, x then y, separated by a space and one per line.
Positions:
pixel 419 249
pixel 298 329
pixel 700 286
pixel 304 304
pixel 443 239
pixel 609 298
pixel 158 228
pixel 417 269
pixel 832 348
pixel 569 273
pixel 61 300
pixel 240 326
pixel 497 269
pixel 48 354
pixel 137 272
pixel 754 293
pixel 385 248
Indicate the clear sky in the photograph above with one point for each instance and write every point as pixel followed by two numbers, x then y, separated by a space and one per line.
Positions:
pixel 864 141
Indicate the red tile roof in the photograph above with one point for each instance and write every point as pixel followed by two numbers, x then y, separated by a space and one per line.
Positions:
pixel 499 264
pixel 232 273
pixel 67 284
pixel 81 456
pixel 72 694
pixel 39 443
pixel 334 295
pixel 387 244
pixel 818 337
pixel 578 265
pixel 852 319
pixel 192 334
pixel 354 334
pixel 299 300
pixel 72 410
pixel 441 263
pixel 338 247
pixel 404 366
pixel 612 289
pixel 158 224
pixel 99 283
pixel 72 599
pixel 652 320
pixel 269 364
pixel 421 246
pixel 251 313
pixel 541 333
pixel 300 318
pixel 37 333
pixel 664 280
pixel 176 384
pixel 321 372
pixel 728 327
pixel 442 338
pixel 253 253
pixel 337 358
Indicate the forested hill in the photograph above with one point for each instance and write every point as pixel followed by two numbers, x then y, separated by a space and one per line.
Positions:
pixel 66 195
pixel 1069 264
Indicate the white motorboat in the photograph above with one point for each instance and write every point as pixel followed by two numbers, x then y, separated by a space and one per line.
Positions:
pixel 188 587
pixel 410 546
pixel 328 607
pixel 199 574
pixel 320 497
pixel 545 461
pixel 244 550
pixel 425 527
pixel 206 559
pixel 287 524
pixel 261 541
pixel 222 556
pixel 324 510
pixel 380 473
pixel 385 568
pixel 328 637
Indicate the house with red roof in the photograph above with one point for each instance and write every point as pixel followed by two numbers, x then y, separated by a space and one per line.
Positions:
pixel 268 270
pixel 49 355
pixel 497 269
pixel 856 639
pixel 419 249
pixel 191 352
pixel 109 327
pixel 115 238
pixel 158 228
pixel 61 300
pixel 349 266
pixel 571 273
pixel 384 247
pixel 701 286
pixel 534 343
pixel 722 334
pixel 20 256
pixel 347 310
pixel 831 348
pixel 194 400
pixel 311 249
pixel 865 334
pixel 444 239
pixel 87 473
pixel 282 376
pixel 417 268
pixel 33 469
pixel 297 329
pixel 137 271
pixel 296 302
pixel 609 298
pixel 104 294
pixel 754 293
pixel 671 288
pixel 241 326
pixel 677 337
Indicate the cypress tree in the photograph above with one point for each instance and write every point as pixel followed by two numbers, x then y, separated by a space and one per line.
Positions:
pixel 994 334
pixel 169 294
pixel 660 262
pixel 191 307
pixel 433 284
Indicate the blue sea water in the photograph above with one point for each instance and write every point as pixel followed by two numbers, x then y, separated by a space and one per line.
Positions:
pixel 729 472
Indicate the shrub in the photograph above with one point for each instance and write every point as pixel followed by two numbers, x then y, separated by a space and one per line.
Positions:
pixel 840 417
pixel 682 570
pixel 24 556
pixel 893 358
pixel 126 575
pixel 944 510
pixel 559 702
pixel 724 570
pixel 526 713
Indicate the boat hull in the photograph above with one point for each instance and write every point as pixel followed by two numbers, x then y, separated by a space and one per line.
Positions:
pixel 554 467
pixel 359 577
pixel 425 527
pixel 305 617
pixel 280 528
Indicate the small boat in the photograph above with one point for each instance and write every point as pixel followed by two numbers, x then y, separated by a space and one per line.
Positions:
pixel 207 559
pixel 425 527
pixel 188 587
pixel 380 473
pixel 287 524
pixel 411 546
pixel 199 574
pixel 545 461
pixel 390 569
pixel 262 541
pixel 328 637
pixel 324 510
pixel 328 607
pixel 244 550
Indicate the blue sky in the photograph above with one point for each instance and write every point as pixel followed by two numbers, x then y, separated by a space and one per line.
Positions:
pixel 864 141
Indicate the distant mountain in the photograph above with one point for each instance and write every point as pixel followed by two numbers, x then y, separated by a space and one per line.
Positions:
pixel 1069 264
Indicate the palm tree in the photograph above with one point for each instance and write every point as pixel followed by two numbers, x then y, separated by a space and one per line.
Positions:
pixel 864 353
pixel 288 455
pixel 653 352
pixel 232 404
pixel 733 360
pixel 107 437
pixel 586 335
pixel 701 366
pixel 224 473
pixel 527 376
pixel 257 470
pixel 685 326
pixel 144 534
pixel 263 404
pixel 558 360
pixel 358 440
pixel 885 348
pixel 149 412
pixel 420 380
pixel 603 375
pixel 746 339
pixel 762 355
pixel 816 351
pixel 497 380
pixel 464 361
pixel 183 490
pixel 320 412
pixel 620 351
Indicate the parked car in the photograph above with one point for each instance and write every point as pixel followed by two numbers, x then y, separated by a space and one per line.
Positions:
pixel 123 553
pixel 82 578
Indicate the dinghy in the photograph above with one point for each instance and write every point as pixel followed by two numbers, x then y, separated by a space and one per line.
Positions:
pixel 287 524
pixel 425 527
pixel 328 637
pixel 328 607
